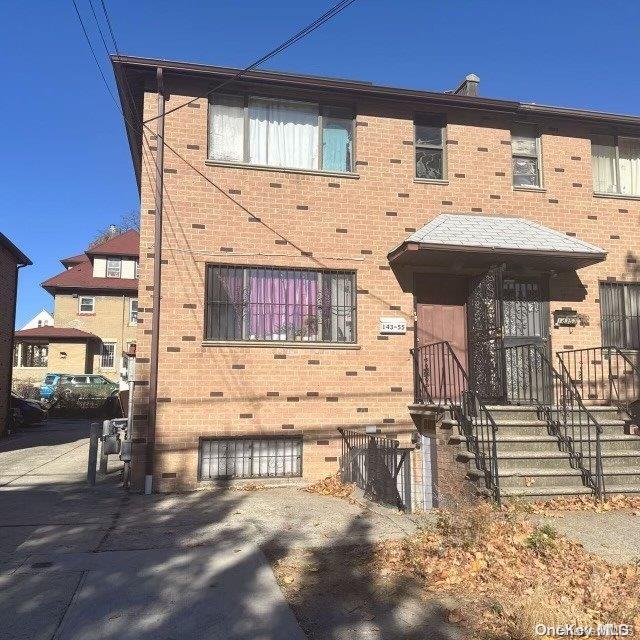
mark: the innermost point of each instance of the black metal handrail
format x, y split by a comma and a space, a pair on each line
440, 379
604, 374
531, 378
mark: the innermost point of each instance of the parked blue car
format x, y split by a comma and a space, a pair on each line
83, 384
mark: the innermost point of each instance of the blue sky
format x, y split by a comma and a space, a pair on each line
66, 165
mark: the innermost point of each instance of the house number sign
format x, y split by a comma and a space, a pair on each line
393, 325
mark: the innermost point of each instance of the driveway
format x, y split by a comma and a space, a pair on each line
96, 563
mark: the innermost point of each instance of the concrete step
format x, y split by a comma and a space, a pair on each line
524, 461
627, 489
542, 493
540, 478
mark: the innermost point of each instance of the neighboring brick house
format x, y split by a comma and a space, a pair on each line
307, 237
95, 314
11, 259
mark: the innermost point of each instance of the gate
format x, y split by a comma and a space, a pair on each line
378, 466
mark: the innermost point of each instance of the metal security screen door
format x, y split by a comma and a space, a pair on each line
525, 314
484, 327
506, 315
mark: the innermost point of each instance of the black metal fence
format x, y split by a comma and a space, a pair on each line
378, 466
605, 375
531, 378
441, 379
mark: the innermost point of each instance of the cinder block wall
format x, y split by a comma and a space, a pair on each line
313, 220
7, 306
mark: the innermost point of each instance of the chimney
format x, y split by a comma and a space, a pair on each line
113, 231
469, 86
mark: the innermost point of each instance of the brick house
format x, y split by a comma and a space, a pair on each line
328, 227
95, 313
11, 259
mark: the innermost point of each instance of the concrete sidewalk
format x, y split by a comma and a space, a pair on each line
82, 563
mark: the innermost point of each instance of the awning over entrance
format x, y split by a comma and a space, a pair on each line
471, 241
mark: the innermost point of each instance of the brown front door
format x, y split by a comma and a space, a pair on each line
441, 311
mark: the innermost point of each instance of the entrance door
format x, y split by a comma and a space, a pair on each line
525, 309
441, 316
441, 311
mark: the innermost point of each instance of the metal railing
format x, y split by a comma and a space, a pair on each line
531, 378
604, 374
440, 379
373, 463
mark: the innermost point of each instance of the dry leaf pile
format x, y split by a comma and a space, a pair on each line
508, 570
617, 502
331, 486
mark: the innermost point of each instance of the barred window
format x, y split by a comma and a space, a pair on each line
242, 457
107, 355
34, 355
270, 304
620, 314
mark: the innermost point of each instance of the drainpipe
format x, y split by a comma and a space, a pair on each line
157, 273
13, 346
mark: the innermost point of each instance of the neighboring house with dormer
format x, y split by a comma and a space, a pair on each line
95, 314
42, 319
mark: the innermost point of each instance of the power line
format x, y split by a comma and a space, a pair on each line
305, 31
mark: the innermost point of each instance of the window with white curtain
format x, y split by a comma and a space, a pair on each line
616, 165
280, 133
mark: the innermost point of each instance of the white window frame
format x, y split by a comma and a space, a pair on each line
537, 156
132, 320
324, 110
104, 354
618, 182
117, 261
136, 266
85, 311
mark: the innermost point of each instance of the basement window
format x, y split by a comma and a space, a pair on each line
228, 458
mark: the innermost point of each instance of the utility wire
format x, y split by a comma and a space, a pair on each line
305, 31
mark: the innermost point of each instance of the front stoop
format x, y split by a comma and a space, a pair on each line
532, 466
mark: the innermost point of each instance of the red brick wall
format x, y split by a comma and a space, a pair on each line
203, 390
7, 307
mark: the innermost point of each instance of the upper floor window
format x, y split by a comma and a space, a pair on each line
616, 165
261, 303
114, 267
429, 142
525, 152
86, 304
136, 267
280, 133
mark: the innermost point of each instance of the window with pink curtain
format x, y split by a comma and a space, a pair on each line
269, 304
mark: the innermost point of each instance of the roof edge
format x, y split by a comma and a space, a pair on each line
21, 258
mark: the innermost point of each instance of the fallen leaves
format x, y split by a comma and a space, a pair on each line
510, 560
614, 502
331, 486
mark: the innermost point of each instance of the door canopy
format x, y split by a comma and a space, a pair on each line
472, 241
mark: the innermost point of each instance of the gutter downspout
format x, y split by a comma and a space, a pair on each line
157, 274
13, 346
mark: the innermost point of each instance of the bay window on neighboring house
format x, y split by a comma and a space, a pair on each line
270, 304
620, 314
616, 165
525, 156
280, 133
31, 355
